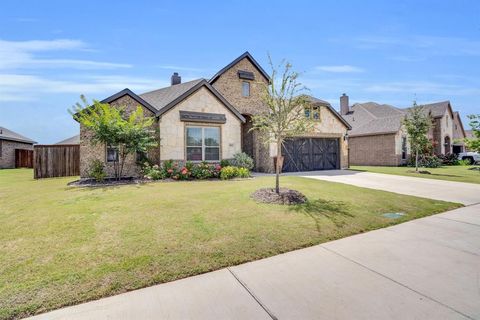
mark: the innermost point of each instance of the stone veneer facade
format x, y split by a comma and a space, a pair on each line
7, 153
172, 130
169, 131
230, 86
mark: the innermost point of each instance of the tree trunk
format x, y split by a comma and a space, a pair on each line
278, 166
416, 161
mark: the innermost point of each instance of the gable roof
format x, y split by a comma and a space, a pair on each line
372, 119
6, 134
436, 109
134, 96
324, 103
72, 140
456, 116
166, 98
237, 60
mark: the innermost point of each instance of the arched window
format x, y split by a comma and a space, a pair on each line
447, 145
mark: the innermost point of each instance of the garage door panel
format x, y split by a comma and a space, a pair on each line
307, 154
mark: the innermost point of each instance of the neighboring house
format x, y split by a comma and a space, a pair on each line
12, 147
468, 135
72, 140
459, 134
378, 136
210, 120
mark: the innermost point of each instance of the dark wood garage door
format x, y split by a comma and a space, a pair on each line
308, 154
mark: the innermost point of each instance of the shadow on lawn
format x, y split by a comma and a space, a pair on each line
335, 211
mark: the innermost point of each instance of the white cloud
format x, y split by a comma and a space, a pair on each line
340, 69
16, 87
16, 55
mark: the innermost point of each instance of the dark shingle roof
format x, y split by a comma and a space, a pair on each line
6, 134
372, 118
72, 140
162, 97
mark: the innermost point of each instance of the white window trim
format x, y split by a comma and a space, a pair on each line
203, 143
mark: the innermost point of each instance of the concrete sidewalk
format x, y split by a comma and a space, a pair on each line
423, 269
465, 193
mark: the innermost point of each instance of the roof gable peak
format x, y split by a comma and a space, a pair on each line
247, 55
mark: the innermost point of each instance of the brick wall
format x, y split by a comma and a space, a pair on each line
377, 150
7, 156
90, 152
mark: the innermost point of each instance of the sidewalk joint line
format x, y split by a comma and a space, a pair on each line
397, 282
449, 219
244, 285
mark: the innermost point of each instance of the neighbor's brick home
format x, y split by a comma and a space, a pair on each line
379, 138
9, 142
221, 109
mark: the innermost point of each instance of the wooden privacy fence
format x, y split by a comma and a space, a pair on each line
56, 160
23, 158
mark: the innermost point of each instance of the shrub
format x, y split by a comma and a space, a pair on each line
202, 171
464, 162
243, 173
224, 163
229, 172
427, 161
449, 159
153, 172
242, 160
97, 170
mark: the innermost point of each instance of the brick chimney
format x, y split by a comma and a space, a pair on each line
175, 79
344, 105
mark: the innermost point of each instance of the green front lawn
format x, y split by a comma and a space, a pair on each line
61, 246
450, 173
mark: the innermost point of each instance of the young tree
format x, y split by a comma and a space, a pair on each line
285, 115
112, 126
417, 124
474, 143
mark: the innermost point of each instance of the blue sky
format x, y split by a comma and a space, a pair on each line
382, 51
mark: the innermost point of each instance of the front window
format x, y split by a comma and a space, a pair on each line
246, 89
404, 148
112, 153
203, 144
312, 113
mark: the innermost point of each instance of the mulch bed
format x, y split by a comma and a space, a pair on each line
107, 182
286, 196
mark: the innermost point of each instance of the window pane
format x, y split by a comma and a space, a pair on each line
307, 112
316, 113
212, 136
212, 153
194, 153
194, 136
245, 88
112, 154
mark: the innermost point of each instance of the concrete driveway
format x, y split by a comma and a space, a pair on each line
465, 193
424, 269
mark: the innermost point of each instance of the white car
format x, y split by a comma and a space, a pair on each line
473, 157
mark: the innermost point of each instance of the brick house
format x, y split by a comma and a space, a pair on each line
11, 146
378, 137
210, 120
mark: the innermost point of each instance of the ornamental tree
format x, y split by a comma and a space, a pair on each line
417, 124
112, 126
285, 115
474, 143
